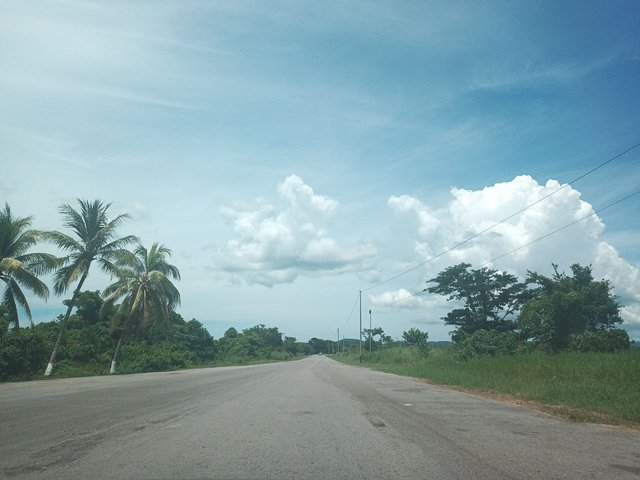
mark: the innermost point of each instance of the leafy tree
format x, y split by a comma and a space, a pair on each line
418, 339
258, 341
564, 305
268, 337
606, 341
192, 336
414, 336
303, 348
145, 287
489, 298
231, 333
88, 307
370, 335
19, 267
290, 345
94, 241
319, 346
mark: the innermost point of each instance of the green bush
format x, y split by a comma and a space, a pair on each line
403, 354
490, 343
138, 357
280, 354
605, 341
67, 368
23, 353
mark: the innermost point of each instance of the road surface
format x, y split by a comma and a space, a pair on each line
313, 418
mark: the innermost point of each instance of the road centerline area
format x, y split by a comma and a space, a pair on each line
313, 418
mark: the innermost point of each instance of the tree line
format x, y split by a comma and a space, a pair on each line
133, 316
497, 313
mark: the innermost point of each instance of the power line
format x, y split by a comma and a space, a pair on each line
595, 212
503, 220
352, 309
400, 300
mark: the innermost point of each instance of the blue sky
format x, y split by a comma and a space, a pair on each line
293, 153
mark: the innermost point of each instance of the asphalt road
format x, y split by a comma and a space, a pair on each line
313, 418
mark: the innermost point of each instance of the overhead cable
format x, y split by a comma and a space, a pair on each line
595, 212
352, 309
457, 245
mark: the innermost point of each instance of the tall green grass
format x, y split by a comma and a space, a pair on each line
601, 387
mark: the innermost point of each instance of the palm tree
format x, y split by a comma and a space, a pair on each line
18, 267
94, 240
144, 285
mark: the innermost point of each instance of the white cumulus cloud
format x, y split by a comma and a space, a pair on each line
400, 298
276, 246
472, 211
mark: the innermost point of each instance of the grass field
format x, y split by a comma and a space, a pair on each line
594, 387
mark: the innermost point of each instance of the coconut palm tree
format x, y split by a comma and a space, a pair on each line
18, 266
145, 287
94, 241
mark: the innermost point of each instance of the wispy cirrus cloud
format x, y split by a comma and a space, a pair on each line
505, 78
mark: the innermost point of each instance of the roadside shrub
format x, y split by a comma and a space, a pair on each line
23, 352
402, 354
489, 343
280, 354
605, 341
68, 368
137, 357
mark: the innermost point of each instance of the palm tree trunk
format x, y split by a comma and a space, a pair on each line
63, 327
115, 357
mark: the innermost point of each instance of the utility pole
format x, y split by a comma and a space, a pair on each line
338, 341
370, 335
360, 326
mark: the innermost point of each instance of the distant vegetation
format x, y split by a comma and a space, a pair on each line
95, 328
132, 319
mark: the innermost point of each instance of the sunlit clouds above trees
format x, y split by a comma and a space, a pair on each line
438, 228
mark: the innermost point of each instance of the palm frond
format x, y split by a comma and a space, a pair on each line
68, 274
17, 297
23, 240
124, 258
30, 282
40, 263
109, 267
63, 241
74, 221
118, 244
119, 220
9, 302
